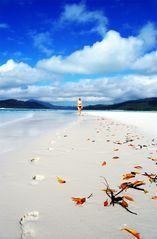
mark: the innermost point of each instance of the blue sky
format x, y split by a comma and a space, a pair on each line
104, 51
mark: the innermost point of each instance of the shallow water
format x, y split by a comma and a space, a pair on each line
18, 127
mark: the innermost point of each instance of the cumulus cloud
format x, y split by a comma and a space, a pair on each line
113, 53
78, 13
102, 90
147, 63
14, 74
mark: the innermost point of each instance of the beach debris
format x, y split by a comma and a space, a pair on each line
153, 159
34, 160
37, 178
154, 197
26, 230
109, 190
116, 149
80, 200
130, 175
65, 135
103, 163
60, 180
138, 167
133, 232
152, 177
115, 157
117, 142
115, 198
135, 185
106, 203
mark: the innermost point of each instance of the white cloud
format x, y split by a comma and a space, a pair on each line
78, 13
147, 63
113, 53
14, 74
102, 90
43, 41
148, 34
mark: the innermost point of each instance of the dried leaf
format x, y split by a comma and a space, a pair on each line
138, 167
124, 203
128, 176
79, 201
115, 157
128, 198
106, 203
60, 180
133, 232
124, 186
154, 197
103, 163
116, 149
138, 183
109, 190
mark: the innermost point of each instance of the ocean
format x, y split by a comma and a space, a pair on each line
18, 127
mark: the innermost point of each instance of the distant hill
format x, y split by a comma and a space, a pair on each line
142, 104
149, 104
31, 104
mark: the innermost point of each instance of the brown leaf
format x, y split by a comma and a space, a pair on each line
79, 201
133, 232
60, 180
115, 157
128, 176
128, 198
138, 167
124, 203
103, 163
154, 197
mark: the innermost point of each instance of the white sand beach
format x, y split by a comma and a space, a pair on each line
36, 203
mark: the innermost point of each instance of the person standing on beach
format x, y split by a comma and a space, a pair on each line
79, 106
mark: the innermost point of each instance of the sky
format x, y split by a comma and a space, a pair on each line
104, 51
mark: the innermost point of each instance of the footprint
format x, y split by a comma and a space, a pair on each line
34, 160
37, 178
50, 148
27, 232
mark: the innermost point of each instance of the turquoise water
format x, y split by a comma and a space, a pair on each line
18, 127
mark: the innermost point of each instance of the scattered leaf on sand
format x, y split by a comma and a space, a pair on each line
60, 180
124, 203
103, 163
109, 190
138, 167
115, 157
154, 197
138, 183
128, 176
128, 198
79, 201
116, 149
106, 203
133, 232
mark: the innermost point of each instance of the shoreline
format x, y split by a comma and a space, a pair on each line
75, 153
